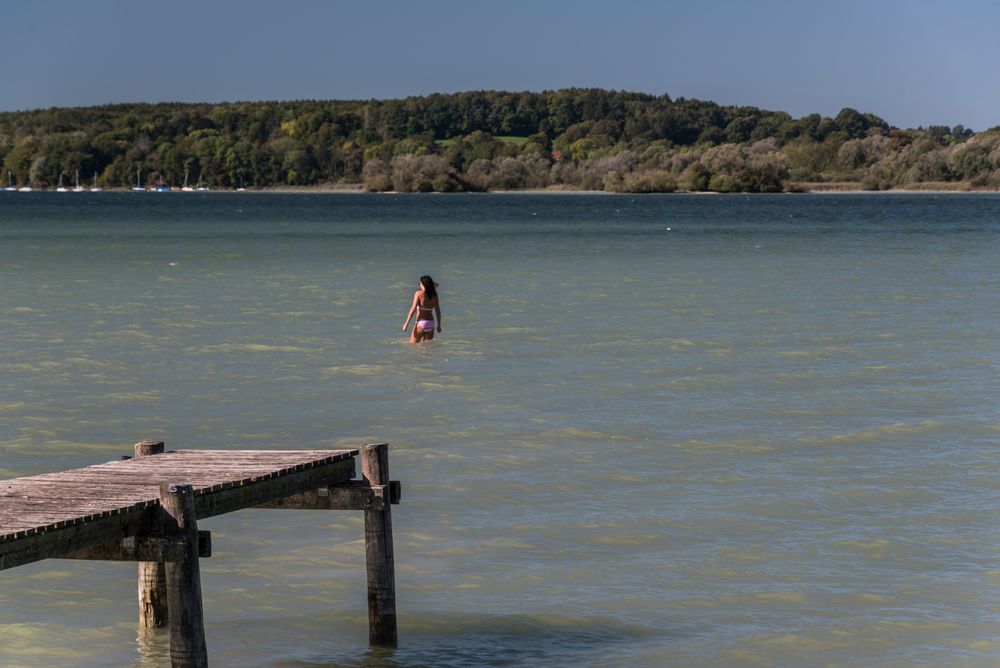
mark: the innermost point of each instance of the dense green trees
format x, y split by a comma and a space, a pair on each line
482, 140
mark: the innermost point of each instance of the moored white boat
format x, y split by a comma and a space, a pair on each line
138, 180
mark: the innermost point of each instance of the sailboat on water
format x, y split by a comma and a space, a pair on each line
78, 188
95, 188
60, 188
200, 187
10, 182
138, 180
186, 188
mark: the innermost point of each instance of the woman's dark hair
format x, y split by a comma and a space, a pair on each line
430, 287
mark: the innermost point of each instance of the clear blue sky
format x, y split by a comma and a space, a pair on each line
915, 62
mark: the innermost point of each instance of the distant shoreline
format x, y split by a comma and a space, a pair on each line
798, 189
353, 189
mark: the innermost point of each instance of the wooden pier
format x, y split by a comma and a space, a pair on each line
146, 508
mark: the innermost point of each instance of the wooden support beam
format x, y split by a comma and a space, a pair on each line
184, 606
144, 549
351, 495
75, 536
210, 502
152, 580
378, 552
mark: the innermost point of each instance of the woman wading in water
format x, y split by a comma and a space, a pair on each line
425, 307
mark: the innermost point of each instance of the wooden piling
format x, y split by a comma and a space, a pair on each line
378, 552
184, 606
152, 574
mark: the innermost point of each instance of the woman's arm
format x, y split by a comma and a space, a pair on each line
413, 308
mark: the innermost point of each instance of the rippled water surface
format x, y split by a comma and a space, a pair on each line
658, 431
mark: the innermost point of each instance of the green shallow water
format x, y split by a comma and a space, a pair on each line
657, 431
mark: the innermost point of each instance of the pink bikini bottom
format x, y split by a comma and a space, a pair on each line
425, 325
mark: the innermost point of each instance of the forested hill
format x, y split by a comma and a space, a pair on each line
575, 138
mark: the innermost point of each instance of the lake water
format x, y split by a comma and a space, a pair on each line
656, 431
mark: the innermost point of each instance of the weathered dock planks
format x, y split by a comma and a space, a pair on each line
45, 515
146, 508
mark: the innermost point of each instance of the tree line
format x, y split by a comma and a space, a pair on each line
590, 139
